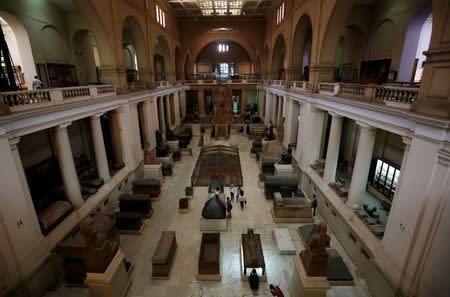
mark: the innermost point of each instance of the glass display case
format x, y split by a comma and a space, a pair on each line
385, 178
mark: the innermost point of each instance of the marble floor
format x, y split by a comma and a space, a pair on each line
139, 248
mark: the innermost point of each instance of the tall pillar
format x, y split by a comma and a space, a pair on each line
67, 165
162, 118
280, 107
274, 109
138, 154
99, 148
116, 138
244, 99
362, 165
176, 101
150, 121
167, 109
316, 118
183, 103
201, 103
334, 142
268, 104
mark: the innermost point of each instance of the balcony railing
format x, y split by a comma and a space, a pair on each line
395, 96
163, 84
281, 83
26, 100
301, 85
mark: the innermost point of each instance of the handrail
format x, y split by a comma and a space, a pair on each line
26, 100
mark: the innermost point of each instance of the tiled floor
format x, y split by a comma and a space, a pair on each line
139, 249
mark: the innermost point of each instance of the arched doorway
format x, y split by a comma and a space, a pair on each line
417, 40
279, 59
19, 47
134, 51
301, 50
161, 59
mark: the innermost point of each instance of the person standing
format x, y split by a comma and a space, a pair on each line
242, 199
238, 192
37, 84
229, 206
232, 191
314, 204
253, 280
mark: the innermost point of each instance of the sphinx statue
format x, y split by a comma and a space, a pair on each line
315, 256
99, 249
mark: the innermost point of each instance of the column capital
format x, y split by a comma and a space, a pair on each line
365, 127
64, 125
407, 141
96, 116
334, 114
13, 142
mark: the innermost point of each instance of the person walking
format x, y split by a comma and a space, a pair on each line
314, 204
37, 84
242, 199
229, 207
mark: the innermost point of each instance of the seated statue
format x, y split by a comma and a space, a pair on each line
315, 256
280, 129
183, 137
99, 250
286, 157
162, 149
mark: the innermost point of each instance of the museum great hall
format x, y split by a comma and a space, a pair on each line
126, 124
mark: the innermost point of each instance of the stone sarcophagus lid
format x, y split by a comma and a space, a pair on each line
139, 203
209, 256
150, 187
164, 255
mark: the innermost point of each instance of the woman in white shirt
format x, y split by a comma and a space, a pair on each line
242, 199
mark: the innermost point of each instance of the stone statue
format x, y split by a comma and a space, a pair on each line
99, 250
280, 129
315, 256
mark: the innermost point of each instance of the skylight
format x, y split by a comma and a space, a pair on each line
220, 7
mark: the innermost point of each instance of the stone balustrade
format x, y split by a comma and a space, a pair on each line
26, 100
281, 83
163, 84
394, 96
301, 85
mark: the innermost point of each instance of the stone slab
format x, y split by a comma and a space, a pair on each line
244, 277
213, 224
283, 241
290, 220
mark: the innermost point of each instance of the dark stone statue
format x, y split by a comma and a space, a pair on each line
315, 256
214, 209
286, 157
99, 250
162, 149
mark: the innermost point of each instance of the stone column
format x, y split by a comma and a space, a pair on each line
274, 109
67, 165
183, 103
280, 108
99, 148
150, 121
315, 127
362, 165
134, 129
244, 100
167, 110
201, 103
267, 114
334, 142
162, 118
116, 138
176, 101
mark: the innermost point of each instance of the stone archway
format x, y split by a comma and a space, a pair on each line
279, 59
301, 50
133, 39
162, 50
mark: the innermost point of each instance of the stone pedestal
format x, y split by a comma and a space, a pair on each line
233, 137
114, 282
166, 160
306, 286
283, 169
213, 224
173, 145
195, 129
153, 171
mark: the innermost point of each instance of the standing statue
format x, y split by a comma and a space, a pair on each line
280, 129
315, 256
